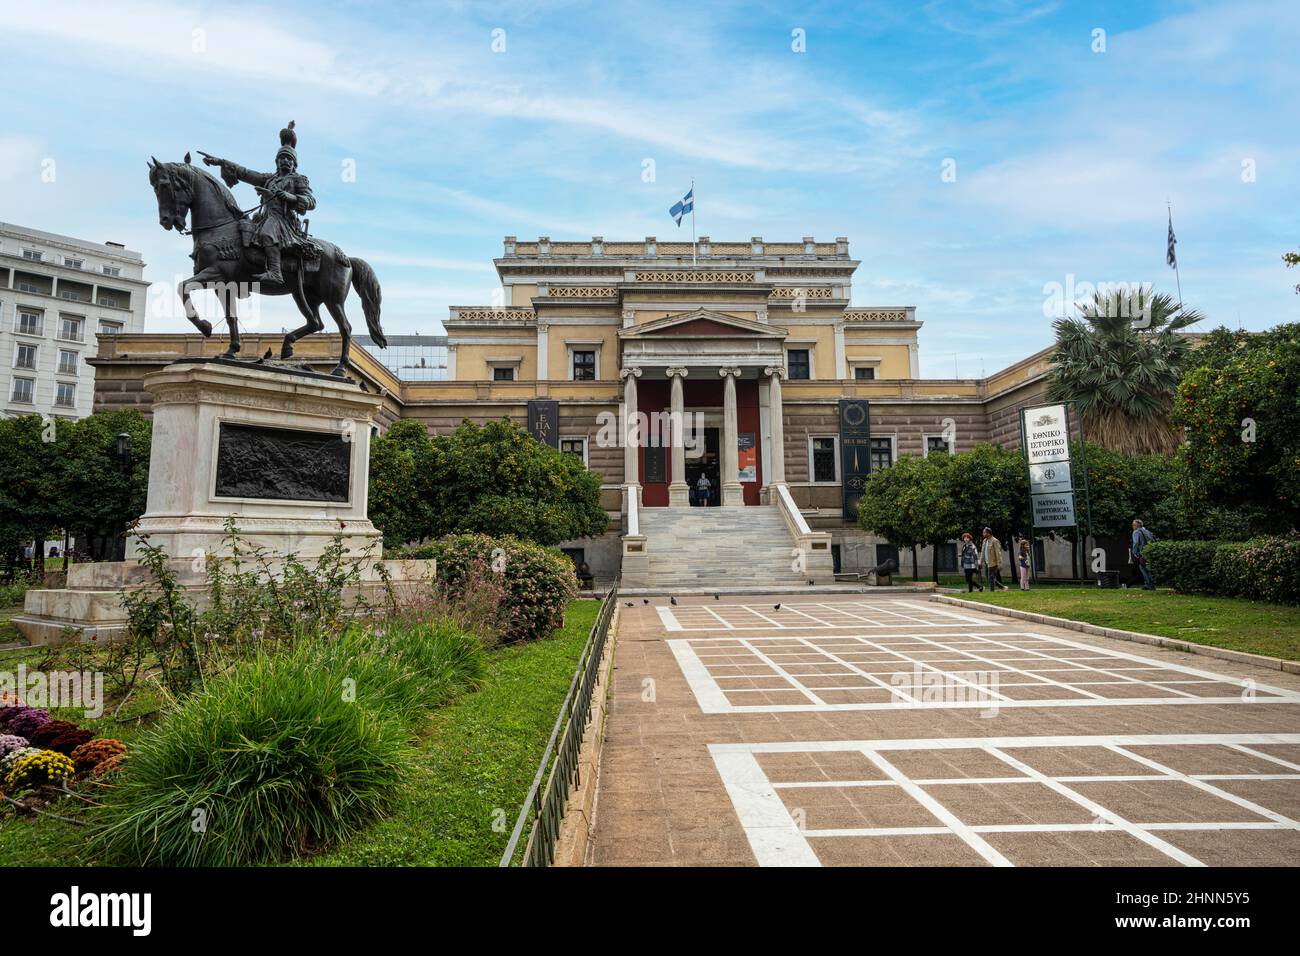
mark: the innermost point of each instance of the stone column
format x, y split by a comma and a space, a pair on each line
631, 434
733, 493
678, 492
775, 412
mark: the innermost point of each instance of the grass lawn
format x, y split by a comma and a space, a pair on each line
1271, 629
475, 762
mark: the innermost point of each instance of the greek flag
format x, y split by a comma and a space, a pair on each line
686, 205
1170, 256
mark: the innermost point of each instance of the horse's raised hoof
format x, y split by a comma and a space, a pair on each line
204, 326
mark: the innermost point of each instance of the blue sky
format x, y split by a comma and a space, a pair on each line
1064, 157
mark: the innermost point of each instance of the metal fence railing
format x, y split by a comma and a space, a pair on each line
545, 805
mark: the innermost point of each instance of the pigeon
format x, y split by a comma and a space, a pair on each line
629, 603
776, 607
672, 601
645, 600
715, 597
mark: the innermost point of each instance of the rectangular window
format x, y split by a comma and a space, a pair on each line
110, 328
112, 271
503, 373
70, 295
30, 287
798, 364
25, 357
24, 389
823, 464
577, 447
584, 365
938, 443
882, 453
67, 362
108, 300
73, 263
33, 255
30, 323
70, 328
864, 373
65, 394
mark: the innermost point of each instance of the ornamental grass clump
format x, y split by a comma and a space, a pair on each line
405, 668
37, 769
93, 754
270, 761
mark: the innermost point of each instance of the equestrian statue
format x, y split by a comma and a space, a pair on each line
270, 253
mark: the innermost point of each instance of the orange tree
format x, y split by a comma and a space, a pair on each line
1241, 412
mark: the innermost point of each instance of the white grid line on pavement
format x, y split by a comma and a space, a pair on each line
777, 838
715, 665
853, 614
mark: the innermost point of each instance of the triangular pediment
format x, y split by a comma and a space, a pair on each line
702, 323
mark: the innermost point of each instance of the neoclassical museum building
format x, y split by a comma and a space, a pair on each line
757, 400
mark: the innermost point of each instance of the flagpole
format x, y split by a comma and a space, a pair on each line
693, 223
1177, 278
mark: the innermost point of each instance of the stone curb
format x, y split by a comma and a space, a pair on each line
579, 816
1172, 643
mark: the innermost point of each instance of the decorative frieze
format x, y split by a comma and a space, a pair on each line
685, 275
488, 314
799, 292
877, 315
581, 292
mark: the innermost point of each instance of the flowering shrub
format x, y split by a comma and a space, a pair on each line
539, 582
70, 740
11, 710
37, 769
109, 765
27, 721
90, 756
8, 761
11, 742
48, 731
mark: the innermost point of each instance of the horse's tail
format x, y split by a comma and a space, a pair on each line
366, 283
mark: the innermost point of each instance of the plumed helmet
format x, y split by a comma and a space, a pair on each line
288, 140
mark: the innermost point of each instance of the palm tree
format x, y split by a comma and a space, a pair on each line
1122, 361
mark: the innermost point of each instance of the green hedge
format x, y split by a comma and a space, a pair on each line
538, 582
1262, 569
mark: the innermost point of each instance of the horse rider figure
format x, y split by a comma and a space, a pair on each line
286, 194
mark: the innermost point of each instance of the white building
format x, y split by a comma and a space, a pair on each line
57, 295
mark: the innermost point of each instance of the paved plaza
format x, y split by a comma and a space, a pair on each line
856, 730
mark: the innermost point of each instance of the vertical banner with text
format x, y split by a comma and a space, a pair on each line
855, 451
544, 421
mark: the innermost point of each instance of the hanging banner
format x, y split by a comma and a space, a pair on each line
544, 421
1046, 434
1053, 511
855, 452
747, 456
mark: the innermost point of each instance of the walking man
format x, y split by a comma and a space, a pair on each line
1141, 538
991, 560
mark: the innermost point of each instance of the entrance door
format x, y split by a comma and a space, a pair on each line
708, 464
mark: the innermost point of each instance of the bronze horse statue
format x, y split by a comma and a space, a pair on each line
225, 263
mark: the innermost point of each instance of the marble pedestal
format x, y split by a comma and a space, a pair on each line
284, 454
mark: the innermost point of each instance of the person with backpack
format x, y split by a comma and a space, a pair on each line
970, 562
1141, 538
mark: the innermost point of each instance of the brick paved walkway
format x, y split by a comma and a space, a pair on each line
889, 730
